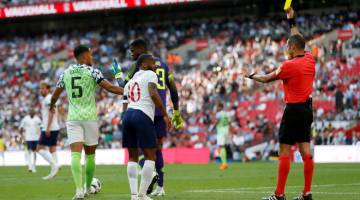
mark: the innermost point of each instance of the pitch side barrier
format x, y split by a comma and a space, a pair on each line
113, 157
322, 154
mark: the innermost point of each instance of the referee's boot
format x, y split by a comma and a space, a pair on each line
274, 197
303, 196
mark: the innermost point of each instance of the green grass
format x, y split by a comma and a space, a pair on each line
189, 182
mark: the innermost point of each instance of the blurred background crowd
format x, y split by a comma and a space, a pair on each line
207, 74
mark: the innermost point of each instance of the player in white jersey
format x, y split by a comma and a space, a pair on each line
49, 132
31, 125
138, 124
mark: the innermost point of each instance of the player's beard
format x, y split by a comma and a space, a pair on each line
133, 57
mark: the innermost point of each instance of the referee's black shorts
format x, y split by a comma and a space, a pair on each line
296, 122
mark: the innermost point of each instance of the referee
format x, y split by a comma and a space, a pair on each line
297, 75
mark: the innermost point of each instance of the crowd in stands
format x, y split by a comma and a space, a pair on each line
255, 108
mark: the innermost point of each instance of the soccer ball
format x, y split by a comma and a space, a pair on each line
96, 185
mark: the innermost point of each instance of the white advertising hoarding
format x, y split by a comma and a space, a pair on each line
337, 154
103, 157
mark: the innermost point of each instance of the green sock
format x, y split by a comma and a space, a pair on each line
76, 169
90, 169
223, 155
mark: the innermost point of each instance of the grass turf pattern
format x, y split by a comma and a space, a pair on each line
242, 181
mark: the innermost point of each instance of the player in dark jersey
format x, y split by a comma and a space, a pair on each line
166, 81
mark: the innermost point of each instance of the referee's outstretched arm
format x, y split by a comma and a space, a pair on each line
295, 48
263, 78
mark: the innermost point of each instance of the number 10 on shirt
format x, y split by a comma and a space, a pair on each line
134, 92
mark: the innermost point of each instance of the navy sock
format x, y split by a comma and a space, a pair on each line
159, 165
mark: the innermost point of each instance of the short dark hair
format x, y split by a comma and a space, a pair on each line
139, 43
80, 49
220, 105
45, 84
142, 58
298, 41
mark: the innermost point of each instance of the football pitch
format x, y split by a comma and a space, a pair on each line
242, 181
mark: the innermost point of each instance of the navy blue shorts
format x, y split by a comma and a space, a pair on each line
31, 145
160, 127
138, 130
48, 141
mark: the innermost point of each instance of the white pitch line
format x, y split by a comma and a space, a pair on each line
264, 188
337, 193
268, 192
94, 197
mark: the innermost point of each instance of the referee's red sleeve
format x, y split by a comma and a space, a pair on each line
285, 71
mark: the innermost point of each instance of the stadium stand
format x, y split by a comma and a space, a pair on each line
202, 82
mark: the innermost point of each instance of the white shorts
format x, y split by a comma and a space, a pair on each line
221, 139
86, 132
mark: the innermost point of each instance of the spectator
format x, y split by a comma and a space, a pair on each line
339, 101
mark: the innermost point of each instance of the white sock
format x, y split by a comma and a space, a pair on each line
132, 169
33, 160
28, 160
47, 156
79, 191
146, 176
2, 158
54, 155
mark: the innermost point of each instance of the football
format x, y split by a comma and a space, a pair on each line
96, 185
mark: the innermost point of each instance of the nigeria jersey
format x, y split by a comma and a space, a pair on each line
223, 122
80, 82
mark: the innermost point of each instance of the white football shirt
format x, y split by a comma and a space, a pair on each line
138, 94
32, 127
45, 105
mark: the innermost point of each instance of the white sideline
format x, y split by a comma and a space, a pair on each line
254, 190
103, 157
270, 192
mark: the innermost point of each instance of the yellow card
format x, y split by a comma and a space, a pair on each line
287, 4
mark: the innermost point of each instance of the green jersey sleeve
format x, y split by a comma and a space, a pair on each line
97, 75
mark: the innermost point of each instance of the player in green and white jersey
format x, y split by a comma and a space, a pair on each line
222, 131
80, 81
